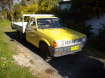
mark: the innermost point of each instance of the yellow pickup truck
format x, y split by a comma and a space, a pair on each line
47, 33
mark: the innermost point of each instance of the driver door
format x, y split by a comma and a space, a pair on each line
31, 33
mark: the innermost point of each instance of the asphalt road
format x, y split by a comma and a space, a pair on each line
78, 66
71, 66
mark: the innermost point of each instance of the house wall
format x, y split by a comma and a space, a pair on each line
16, 1
0, 8
8, 3
3, 5
65, 4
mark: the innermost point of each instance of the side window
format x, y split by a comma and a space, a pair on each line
32, 22
26, 19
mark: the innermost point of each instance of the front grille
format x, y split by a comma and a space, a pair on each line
65, 51
72, 42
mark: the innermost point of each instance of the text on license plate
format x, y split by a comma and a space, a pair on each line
74, 48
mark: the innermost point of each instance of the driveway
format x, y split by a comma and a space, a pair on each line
80, 65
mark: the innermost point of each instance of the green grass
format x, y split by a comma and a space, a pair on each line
8, 69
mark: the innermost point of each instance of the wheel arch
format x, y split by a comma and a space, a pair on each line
45, 41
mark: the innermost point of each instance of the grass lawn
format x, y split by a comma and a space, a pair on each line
8, 69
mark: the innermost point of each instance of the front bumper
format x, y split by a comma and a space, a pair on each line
56, 52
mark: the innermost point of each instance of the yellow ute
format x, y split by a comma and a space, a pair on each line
47, 33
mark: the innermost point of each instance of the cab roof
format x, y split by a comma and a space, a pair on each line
40, 15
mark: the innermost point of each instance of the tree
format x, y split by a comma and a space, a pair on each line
40, 6
47, 5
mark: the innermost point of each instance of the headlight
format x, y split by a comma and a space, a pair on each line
58, 43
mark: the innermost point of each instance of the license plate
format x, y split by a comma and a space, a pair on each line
74, 48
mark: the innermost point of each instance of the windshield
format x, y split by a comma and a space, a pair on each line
48, 23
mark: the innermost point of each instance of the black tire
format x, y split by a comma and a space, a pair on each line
44, 51
20, 36
17, 34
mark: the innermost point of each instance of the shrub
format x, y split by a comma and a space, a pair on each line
3, 14
34, 8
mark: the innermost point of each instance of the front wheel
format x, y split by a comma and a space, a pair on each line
44, 51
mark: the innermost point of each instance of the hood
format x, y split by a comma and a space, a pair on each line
62, 33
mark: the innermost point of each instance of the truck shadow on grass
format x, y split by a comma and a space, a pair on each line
70, 66
12, 35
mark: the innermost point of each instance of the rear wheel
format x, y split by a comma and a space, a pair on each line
44, 50
20, 36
